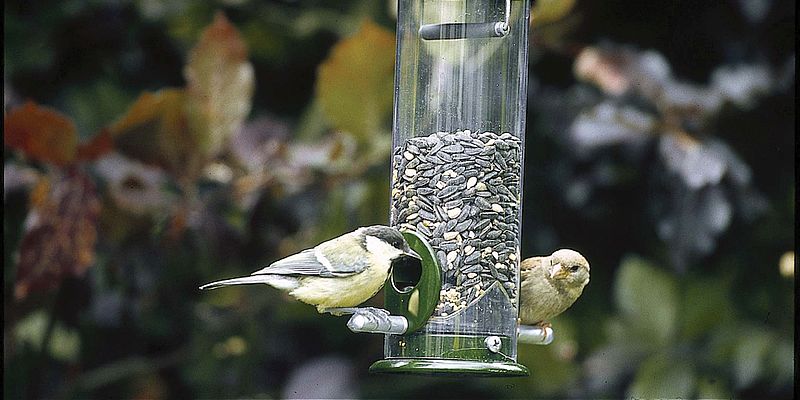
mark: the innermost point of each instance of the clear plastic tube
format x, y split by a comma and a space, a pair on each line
458, 140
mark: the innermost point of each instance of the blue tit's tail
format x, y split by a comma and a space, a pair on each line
278, 281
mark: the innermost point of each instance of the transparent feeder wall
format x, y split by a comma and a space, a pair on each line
459, 123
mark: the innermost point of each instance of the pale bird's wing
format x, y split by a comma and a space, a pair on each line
533, 263
322, 260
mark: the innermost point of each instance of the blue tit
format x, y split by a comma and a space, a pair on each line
340, 273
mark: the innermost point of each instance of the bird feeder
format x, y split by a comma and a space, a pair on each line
458, 133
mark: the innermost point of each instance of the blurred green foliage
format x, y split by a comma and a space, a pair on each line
684, 216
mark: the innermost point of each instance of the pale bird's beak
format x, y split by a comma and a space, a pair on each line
555, 271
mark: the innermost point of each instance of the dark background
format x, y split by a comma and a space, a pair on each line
687, 223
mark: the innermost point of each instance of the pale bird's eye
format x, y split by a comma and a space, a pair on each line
574, 268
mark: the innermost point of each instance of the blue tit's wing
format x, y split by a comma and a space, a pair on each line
329, 259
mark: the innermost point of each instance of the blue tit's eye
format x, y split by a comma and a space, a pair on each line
574, 268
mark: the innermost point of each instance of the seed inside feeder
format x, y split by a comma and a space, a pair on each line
465, 187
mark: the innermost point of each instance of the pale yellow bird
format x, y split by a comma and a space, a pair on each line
549, 285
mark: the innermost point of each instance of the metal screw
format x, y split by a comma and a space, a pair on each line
493, 343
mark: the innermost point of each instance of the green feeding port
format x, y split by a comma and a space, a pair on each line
456, 185
415, 284
414, 293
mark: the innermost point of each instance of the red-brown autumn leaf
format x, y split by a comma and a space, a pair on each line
41, 133
60, 240
220, 83
355, 83
155, 131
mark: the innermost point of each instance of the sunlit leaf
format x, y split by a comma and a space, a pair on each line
220, 85
662, 376
64, 343
786, 265
155, 131
30, 330
61, 235
41, 133
354, 85
648, 298
548, 11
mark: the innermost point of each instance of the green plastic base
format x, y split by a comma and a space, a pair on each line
436, 366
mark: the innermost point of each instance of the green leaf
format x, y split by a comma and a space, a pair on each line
647, 298
552, 367
663, 376
749, 359
706, 305
712, 388
610, 364
781, 362
93, 104
355, 83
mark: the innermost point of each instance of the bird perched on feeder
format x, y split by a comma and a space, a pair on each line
340, 273
549, 285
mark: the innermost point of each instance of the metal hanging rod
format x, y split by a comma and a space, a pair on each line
467, 30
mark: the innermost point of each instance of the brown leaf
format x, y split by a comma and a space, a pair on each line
43, 134
355, 83
607, 70
60, 241
155, 131
220, 85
